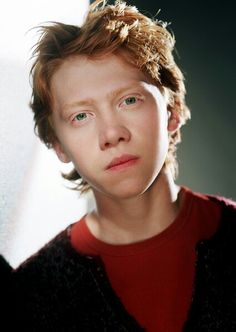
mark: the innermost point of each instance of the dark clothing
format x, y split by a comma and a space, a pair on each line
5, 271
58, 289
5, 293
154, 277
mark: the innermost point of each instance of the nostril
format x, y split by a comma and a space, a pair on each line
112, 136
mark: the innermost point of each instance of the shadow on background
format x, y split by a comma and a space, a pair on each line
206, 53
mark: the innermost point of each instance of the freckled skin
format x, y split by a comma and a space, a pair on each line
103, 109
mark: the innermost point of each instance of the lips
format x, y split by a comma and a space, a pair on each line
125, 159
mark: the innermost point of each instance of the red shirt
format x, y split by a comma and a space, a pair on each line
154, 278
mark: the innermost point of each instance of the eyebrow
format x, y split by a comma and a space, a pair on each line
90, 101
85, 102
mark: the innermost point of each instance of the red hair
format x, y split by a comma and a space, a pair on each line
108, 29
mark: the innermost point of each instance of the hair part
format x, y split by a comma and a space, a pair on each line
108, 29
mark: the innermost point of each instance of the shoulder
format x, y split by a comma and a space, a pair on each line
214, 297
5, 289
223, 241
228, 212
224, 201
58, 289
52, 262
219, 207
227, 205
226, 233
53, 279
5, 268
205, 197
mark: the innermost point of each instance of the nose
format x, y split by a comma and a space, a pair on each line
111, 134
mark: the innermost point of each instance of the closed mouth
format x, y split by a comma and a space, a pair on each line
122, 162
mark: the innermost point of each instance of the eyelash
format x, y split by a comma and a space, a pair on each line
137, 100
74, 119
78, 115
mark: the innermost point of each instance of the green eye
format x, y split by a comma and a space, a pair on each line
80, 116
130, 100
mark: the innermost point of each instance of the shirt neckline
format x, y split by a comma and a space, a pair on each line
101, 247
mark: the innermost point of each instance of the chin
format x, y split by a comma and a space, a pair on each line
128, 191
126, 188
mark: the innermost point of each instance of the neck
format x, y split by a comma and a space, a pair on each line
135, 219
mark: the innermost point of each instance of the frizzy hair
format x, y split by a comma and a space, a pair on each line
107, 29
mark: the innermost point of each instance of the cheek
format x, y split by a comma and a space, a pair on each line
76, 140
82, 150
152, 125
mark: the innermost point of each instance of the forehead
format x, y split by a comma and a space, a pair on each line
83, 80
84, 71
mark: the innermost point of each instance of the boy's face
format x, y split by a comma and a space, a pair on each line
106, 109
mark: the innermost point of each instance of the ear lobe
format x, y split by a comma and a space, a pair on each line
174, 122
62, 156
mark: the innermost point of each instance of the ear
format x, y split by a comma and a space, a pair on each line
61, 154
174, 122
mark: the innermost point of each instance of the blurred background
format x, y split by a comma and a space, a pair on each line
34, 201
205, 33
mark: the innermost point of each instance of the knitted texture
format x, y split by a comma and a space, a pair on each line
213, 306
60, 290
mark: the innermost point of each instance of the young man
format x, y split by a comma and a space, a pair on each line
152, 256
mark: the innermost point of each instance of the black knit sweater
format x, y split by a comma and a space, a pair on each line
58, 289
5, 299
